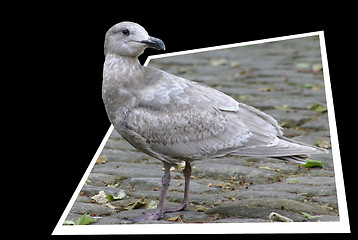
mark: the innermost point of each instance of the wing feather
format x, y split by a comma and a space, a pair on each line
185, 120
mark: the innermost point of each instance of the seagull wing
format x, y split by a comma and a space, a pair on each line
184, 120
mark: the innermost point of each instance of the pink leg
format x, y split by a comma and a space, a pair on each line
165, 184
187, 174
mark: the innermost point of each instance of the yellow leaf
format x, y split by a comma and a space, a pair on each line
174, 219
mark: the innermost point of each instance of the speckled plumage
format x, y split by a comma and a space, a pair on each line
182, 120
174, 119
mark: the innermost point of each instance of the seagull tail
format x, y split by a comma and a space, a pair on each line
300, 151
286, 149
301, 159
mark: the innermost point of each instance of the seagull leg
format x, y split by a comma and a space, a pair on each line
187, 174
165, 184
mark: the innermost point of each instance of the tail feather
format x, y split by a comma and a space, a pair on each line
286, 149
266, 138
301, 159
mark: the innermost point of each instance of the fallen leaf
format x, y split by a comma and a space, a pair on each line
309, 216
200, 208
279, 218
85, 220
183, 70
235, 64
68, 222
307, 68
318, 108
101, 160
303, 67
87, 181
317, 67
310, 163
181, 165
174, 219
218, 61
113, 185
243, 71
267, 89
137, 204
323, 143
293, 181
152, 205
307, 85
110, 206
243, 97
100, 197
223, 185
120, 196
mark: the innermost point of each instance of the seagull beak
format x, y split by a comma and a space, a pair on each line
155, 43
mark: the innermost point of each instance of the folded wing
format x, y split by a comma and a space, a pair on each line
184, 120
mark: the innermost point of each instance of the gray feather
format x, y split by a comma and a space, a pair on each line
174, 119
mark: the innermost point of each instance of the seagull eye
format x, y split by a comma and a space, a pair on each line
125, 31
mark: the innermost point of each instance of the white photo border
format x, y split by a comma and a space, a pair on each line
341, 226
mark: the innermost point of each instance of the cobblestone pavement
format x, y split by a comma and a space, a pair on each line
284, 79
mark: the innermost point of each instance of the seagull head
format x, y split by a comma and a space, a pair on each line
129, 39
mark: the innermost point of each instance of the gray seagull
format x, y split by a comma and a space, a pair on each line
174, 120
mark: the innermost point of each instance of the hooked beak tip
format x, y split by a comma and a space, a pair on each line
155, 43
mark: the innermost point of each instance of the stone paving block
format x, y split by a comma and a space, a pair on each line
262, 207
226, 171
91, 209
234, 189
309, 190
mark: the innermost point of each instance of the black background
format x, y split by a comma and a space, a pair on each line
68, 61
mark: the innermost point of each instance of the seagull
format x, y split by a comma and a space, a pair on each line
177, 120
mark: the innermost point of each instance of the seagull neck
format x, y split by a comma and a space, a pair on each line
122, 71
124, 61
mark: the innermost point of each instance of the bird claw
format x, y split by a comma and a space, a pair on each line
146, 216
175, 209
